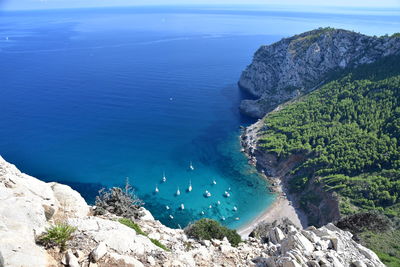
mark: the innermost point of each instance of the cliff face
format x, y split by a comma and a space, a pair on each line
28, 206
295, 65
320, 213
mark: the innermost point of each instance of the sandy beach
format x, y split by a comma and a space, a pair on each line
281, 208
283, 205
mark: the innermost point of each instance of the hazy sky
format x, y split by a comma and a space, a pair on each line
40, 4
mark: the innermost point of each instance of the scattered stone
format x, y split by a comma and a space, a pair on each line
72, 261
98, 252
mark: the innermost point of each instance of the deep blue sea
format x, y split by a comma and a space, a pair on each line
90, 97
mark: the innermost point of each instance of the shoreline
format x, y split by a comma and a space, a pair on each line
280, 208
283, 206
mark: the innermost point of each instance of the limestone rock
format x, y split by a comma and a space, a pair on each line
99, 252
295, 65
71, 202
72, 261
147, 216
123, 260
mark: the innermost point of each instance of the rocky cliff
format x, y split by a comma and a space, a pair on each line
295, 65
28, 206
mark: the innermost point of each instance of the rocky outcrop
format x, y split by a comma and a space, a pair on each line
28, 206
295, 65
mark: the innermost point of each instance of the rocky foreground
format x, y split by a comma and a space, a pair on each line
29, 206
286, 69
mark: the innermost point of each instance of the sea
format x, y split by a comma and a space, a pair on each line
95, 97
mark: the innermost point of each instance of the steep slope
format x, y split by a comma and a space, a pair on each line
28, 206
337, 148
296, 65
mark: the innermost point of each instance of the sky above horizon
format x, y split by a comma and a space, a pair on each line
48, 4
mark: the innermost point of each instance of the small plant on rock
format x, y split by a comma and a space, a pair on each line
132, 225
207, 229
139, 231
121, 202
57, 235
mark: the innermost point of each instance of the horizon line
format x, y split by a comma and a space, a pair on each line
268, 7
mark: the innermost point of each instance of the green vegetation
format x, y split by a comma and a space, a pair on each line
159, 244
57, 235
139, 231
207, 229
350, 128
132, 225
386, 245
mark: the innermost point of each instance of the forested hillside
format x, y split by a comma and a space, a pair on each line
350, 130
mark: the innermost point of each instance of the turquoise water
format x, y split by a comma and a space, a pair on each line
90, 97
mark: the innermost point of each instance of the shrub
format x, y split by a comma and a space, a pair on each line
209, 229
365, 221
58, 235
120, 202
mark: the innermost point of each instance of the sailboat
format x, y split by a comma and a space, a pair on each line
178, 192
182, 206
219, 202
234, 208
214, 182
190, 186
167, 207
156, 190
191, 166
226, 194
164, 178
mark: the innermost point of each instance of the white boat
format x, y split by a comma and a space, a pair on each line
210, 207
237, 218
156, 190
182, 206
191, 166
7, 38
171, 217
190, 187
223, 218
202, 212
219, 202
167, 207
207, 194
226, 194
164, 178
178, 192
234, 208
214, 182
